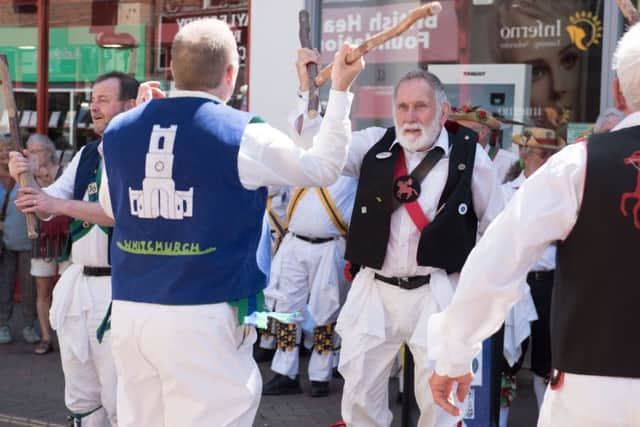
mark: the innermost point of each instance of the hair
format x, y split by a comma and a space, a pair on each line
46, 144
605, 117
544, 153
626, 64
431, 79
201, 52
513, 172
128, 85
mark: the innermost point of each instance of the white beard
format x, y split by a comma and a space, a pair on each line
421, 142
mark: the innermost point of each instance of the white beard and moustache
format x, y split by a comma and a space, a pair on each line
427, 137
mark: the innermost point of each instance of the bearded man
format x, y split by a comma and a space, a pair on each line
424, 191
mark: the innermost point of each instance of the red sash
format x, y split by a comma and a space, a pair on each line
414, 210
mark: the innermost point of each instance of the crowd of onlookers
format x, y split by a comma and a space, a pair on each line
31, 265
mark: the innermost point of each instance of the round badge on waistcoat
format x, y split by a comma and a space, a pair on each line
462, 208
406, 189
383, 155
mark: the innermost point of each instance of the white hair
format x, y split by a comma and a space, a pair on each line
40, 142
626, 64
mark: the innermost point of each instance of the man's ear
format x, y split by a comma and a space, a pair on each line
446, 109
618, 97
230, 75
129, 104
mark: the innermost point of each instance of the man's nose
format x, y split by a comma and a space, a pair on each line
412, 114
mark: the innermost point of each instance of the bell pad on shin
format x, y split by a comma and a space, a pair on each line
323, 338
286, 336
270, 330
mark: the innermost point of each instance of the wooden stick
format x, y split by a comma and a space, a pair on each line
429, 9
312, 67
25, 179
630, 13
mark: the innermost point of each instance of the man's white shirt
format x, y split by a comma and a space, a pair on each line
268, 157
543, 211
92, 249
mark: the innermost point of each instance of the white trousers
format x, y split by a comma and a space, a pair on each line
89, 371
308, 275
592, 401
375, 321
187, 366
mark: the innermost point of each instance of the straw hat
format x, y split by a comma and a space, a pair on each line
475, 114
546, 139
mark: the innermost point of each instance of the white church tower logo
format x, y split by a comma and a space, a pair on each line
158, 197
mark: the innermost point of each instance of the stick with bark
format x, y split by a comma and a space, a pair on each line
630, 13
429, 9
312, 67
25, 179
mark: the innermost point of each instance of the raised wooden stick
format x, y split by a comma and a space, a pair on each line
25, 179
629, 12
429, 9
312, 67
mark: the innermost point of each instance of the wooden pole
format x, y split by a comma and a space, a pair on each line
42, 99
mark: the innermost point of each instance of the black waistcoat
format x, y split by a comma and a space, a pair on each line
594, 311
447, 241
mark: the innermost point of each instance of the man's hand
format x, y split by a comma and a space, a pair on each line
342, 75
305, 56
441, 387
31, 200
20, 163
149, 90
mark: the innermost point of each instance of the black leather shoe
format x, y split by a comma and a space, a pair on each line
263, 354
281, 384
319, 388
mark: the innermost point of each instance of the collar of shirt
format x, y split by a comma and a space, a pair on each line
442, 142
630, 120
176, 93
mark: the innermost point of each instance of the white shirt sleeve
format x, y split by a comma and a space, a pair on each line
104, 196
62, 187
544, 210
269, 157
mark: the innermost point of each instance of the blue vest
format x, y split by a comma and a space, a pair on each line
186, 229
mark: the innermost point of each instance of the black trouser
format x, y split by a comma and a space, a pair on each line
541, 290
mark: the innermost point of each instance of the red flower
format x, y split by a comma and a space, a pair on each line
482, 115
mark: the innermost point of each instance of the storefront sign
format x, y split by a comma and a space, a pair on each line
74, 55
432, 39
237, 17
583, 28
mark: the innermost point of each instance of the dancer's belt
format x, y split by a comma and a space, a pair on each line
314, 239
96, 271
411, 282
540, 276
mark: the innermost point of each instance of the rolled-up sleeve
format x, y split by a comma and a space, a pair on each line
544, 210
269, 157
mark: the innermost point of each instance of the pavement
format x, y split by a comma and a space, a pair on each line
32, 393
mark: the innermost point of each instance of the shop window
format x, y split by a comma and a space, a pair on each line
25, 6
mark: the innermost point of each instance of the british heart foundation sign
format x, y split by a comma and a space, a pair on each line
431, 39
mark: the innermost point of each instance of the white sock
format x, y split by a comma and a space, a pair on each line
539, 387
504, 416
